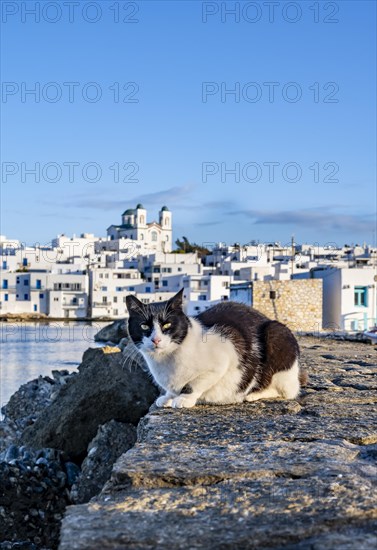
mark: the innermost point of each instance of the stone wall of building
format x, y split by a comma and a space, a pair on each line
297, 303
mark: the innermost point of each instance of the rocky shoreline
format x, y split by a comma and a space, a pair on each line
60, 438
69, 441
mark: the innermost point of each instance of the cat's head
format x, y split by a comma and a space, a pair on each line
157, 329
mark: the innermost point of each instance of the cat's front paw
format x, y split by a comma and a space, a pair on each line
183, 401
164, 401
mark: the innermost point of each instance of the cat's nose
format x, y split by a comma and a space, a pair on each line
156, 340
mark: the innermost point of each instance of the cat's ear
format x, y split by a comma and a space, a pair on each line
176, 301
133, 304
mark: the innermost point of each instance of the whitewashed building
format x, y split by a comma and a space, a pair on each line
60, 295
204, 291
108, 291
349, 297
68, 295
152, 236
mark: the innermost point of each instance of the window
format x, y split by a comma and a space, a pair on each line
5, 283
361, 296
5, 297
104, 299
26, 296
148, 289
142, 236
67, 286
41, 296
164, 283
166, 238
202, 297
118, 289
179, 269
74, 300
154, 236
18, 280
5, 265
56, 299
104, 288
106, 275
115, 312
131, 289
35, 307
26, 282
24, 262
115, 301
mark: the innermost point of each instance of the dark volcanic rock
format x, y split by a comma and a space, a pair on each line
112, 440
34, 492
112, 333
108, 387
29, 401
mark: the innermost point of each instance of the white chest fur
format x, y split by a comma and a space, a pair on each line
204, 359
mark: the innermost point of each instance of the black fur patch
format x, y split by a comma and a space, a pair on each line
264, 347
162, 312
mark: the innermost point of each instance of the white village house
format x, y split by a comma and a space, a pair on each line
349, 297
90, 277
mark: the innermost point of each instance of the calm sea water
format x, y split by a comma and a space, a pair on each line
32, 349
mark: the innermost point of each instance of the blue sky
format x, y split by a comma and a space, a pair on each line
176, 140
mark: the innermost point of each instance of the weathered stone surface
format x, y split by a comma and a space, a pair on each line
111, 440
114, 332
108, 387
273, 474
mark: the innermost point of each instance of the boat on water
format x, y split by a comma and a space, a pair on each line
371, 333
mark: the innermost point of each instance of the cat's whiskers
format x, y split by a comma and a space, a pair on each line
131, 356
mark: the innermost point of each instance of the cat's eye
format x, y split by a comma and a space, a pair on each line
166, 326
144, 327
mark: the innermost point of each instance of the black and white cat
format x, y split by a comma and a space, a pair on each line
227, 354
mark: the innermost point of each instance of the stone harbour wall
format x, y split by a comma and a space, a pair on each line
277, 475
297, 303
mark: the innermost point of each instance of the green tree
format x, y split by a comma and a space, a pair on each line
184, 247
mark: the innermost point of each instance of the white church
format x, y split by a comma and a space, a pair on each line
153, 235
